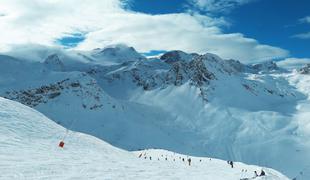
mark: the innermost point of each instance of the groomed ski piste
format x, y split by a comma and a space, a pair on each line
29, 150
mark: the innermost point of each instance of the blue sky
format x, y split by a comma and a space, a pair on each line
270, 22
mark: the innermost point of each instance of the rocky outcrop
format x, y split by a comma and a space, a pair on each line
33, 97
305, 69
177, 56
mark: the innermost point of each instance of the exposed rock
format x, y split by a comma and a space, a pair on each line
176, 56
305, 69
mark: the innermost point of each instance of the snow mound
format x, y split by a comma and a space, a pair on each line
28, 150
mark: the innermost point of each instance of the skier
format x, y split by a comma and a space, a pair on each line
189, 161
61, 144
140, 155
232, 164
262, 173
255, 174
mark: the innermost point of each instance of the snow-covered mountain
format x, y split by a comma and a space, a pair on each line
116, 54
188, 103
29, 150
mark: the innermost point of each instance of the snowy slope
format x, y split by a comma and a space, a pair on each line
193, 104
28, 150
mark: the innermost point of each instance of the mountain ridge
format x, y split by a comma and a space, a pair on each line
189, 103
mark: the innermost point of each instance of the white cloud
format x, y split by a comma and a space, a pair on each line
305, 19
106, 22
302, 35
293, 63
218, 6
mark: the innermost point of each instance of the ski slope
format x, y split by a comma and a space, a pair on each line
28, 150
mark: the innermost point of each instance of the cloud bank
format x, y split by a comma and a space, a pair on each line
293, 63
107, 22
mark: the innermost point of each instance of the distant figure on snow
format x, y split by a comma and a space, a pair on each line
232, 164
183, 159
61, 144
262, 173
255, 174
140, 155
189, 161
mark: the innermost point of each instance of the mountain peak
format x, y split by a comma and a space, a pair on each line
266, 66
53, 62
176, 55
118, 53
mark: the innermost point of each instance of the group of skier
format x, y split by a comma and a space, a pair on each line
231, 163
189, 161
262, 173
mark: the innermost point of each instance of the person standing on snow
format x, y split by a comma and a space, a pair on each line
255, 174
232, 164
262, 173
189, 161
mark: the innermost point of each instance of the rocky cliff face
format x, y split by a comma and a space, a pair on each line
82, 87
